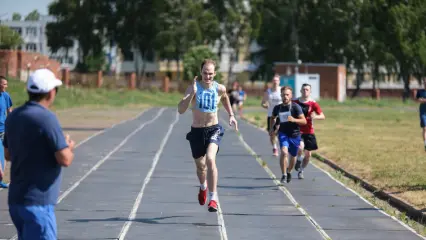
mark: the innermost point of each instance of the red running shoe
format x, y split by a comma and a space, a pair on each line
202, 196
212, 206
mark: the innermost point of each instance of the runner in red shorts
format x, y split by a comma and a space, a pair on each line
312, 111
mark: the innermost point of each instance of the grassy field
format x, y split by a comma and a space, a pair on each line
77, 97
378, 141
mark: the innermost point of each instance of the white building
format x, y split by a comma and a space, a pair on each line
34, 36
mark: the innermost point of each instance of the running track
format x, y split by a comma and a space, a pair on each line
137, 180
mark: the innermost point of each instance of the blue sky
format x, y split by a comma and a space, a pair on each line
8, 7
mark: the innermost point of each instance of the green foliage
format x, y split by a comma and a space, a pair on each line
16, 17
33, 16
194, 57
9, 39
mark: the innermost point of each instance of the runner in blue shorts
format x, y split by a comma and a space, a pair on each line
421, 98
289, 136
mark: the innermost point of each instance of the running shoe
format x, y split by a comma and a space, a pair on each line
275, 152
202, 196
212, 206
283, 179
288, 177
297, 166
300, 175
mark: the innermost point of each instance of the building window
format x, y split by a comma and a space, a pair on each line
17, 29
31, 47
31, 31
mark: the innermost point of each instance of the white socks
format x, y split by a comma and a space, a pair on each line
274, 146
203, 186
213, 196
300, 158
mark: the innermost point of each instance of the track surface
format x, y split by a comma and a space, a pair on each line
137, 180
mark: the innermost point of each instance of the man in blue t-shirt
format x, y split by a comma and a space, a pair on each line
291, 116
5, 109
37, 149
421, 98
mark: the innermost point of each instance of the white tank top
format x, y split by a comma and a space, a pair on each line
274, 98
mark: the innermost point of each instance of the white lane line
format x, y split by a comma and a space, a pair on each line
104, 130
354, 192
69, 190
221, 221
282, 188
138, 200
114, 125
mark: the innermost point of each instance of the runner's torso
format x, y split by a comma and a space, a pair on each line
308, 107
274, 98
204, 106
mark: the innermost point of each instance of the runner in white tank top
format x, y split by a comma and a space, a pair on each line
271, 98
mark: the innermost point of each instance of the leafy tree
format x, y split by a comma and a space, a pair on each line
9, 39
16, 17
33, 16
194, 57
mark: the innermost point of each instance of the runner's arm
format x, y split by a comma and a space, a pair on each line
186, 100
319, 113
265, 99
301, 120
273, 119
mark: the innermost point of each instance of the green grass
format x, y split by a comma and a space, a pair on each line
357, 102
381, 145
76, 97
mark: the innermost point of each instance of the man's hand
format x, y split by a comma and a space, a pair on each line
233, 121
290, 119
194, 86
70, 142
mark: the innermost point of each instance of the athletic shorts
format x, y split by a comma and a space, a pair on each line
423, 120
310, 142
34, 222
292, 143
200, 138
277, 122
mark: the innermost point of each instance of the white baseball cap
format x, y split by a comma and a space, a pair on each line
42, 81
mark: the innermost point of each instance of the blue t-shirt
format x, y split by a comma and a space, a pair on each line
33, 135
5, 104
422, 94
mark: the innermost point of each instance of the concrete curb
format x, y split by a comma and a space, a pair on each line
412, 212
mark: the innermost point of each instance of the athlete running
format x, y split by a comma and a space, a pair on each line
271, 98
421, 98
312, 111
206, 132
291, 116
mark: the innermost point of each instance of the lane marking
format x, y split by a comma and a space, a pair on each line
221, 221
354, 192
69, 190
109, 128
105, 130
324, 235
138, 200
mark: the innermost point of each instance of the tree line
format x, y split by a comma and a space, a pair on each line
378, 34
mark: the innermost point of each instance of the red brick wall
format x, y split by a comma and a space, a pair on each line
19, 63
